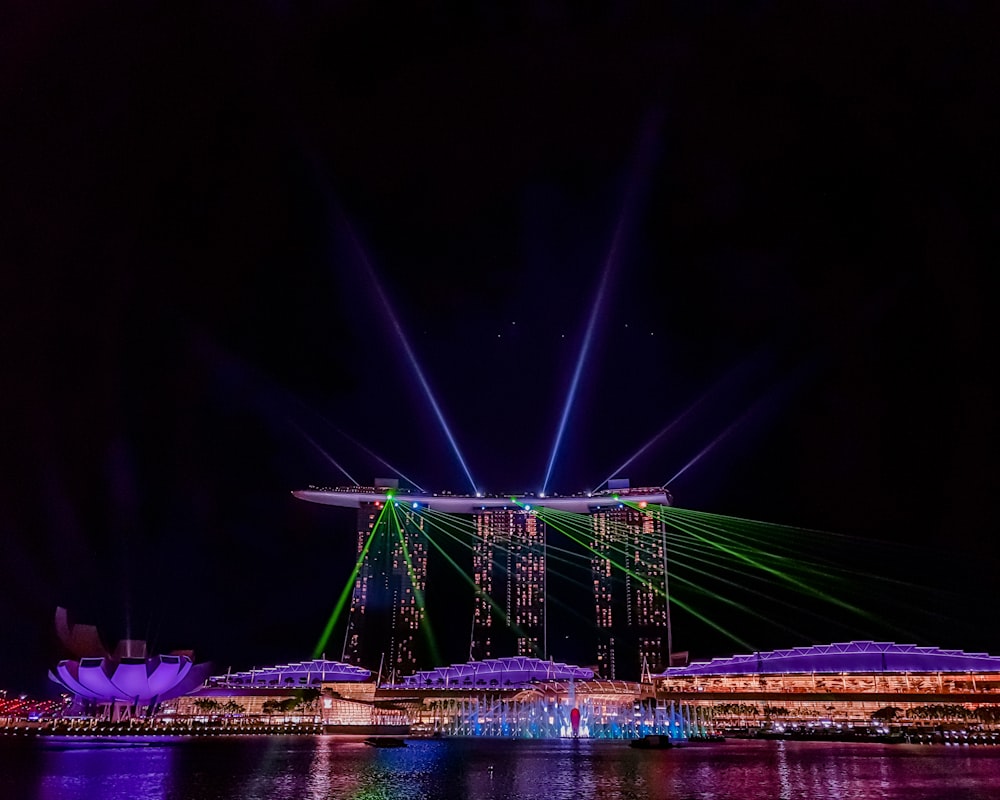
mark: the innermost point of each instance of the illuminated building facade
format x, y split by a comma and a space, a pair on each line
529, 698
340, 697
387, 607
631, 605
508, 567
841, 684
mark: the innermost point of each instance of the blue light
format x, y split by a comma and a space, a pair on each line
325, 454
416, 505
636, 173
412, 358
711, 445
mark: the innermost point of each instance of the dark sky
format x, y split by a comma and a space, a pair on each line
791, 207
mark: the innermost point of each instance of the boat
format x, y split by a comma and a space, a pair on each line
652, 742
385, 741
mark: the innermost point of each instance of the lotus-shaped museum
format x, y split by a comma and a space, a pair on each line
126, 677
138, 681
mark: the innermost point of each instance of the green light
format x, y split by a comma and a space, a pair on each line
476, 589
569, 518
346, 593
417, 591
555, 553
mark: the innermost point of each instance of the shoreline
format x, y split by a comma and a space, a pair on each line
126, 730
106, 730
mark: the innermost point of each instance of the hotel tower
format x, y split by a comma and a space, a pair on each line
386, 612
628, 565
508, 567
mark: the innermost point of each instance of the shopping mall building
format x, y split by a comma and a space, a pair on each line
854, 684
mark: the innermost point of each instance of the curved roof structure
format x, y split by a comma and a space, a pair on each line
132, 680
844, 657
515, 672
470, 504
300, 673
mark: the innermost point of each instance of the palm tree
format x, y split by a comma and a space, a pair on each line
231, 708
207, 706
270, 708
886, 713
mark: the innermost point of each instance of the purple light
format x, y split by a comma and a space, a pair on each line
767, 398
663, 432
504, 672
325, 454
582, 357
859, 656
720, 386
639, 168
411, 356
381, 460
707, 448
300, 672
130, 680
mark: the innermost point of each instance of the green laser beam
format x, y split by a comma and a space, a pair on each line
478, 591
348, 589
417, 591
692, 529
550, 548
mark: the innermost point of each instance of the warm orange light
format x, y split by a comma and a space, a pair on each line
642, 504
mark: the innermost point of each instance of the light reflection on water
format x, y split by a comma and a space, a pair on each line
324, 768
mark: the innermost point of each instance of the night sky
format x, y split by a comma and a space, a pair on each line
789, 207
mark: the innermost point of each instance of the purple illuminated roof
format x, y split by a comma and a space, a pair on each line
494, 672
844, 657
301, 673
133, 680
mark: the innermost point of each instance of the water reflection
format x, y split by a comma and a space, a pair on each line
104, 769
324, 768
